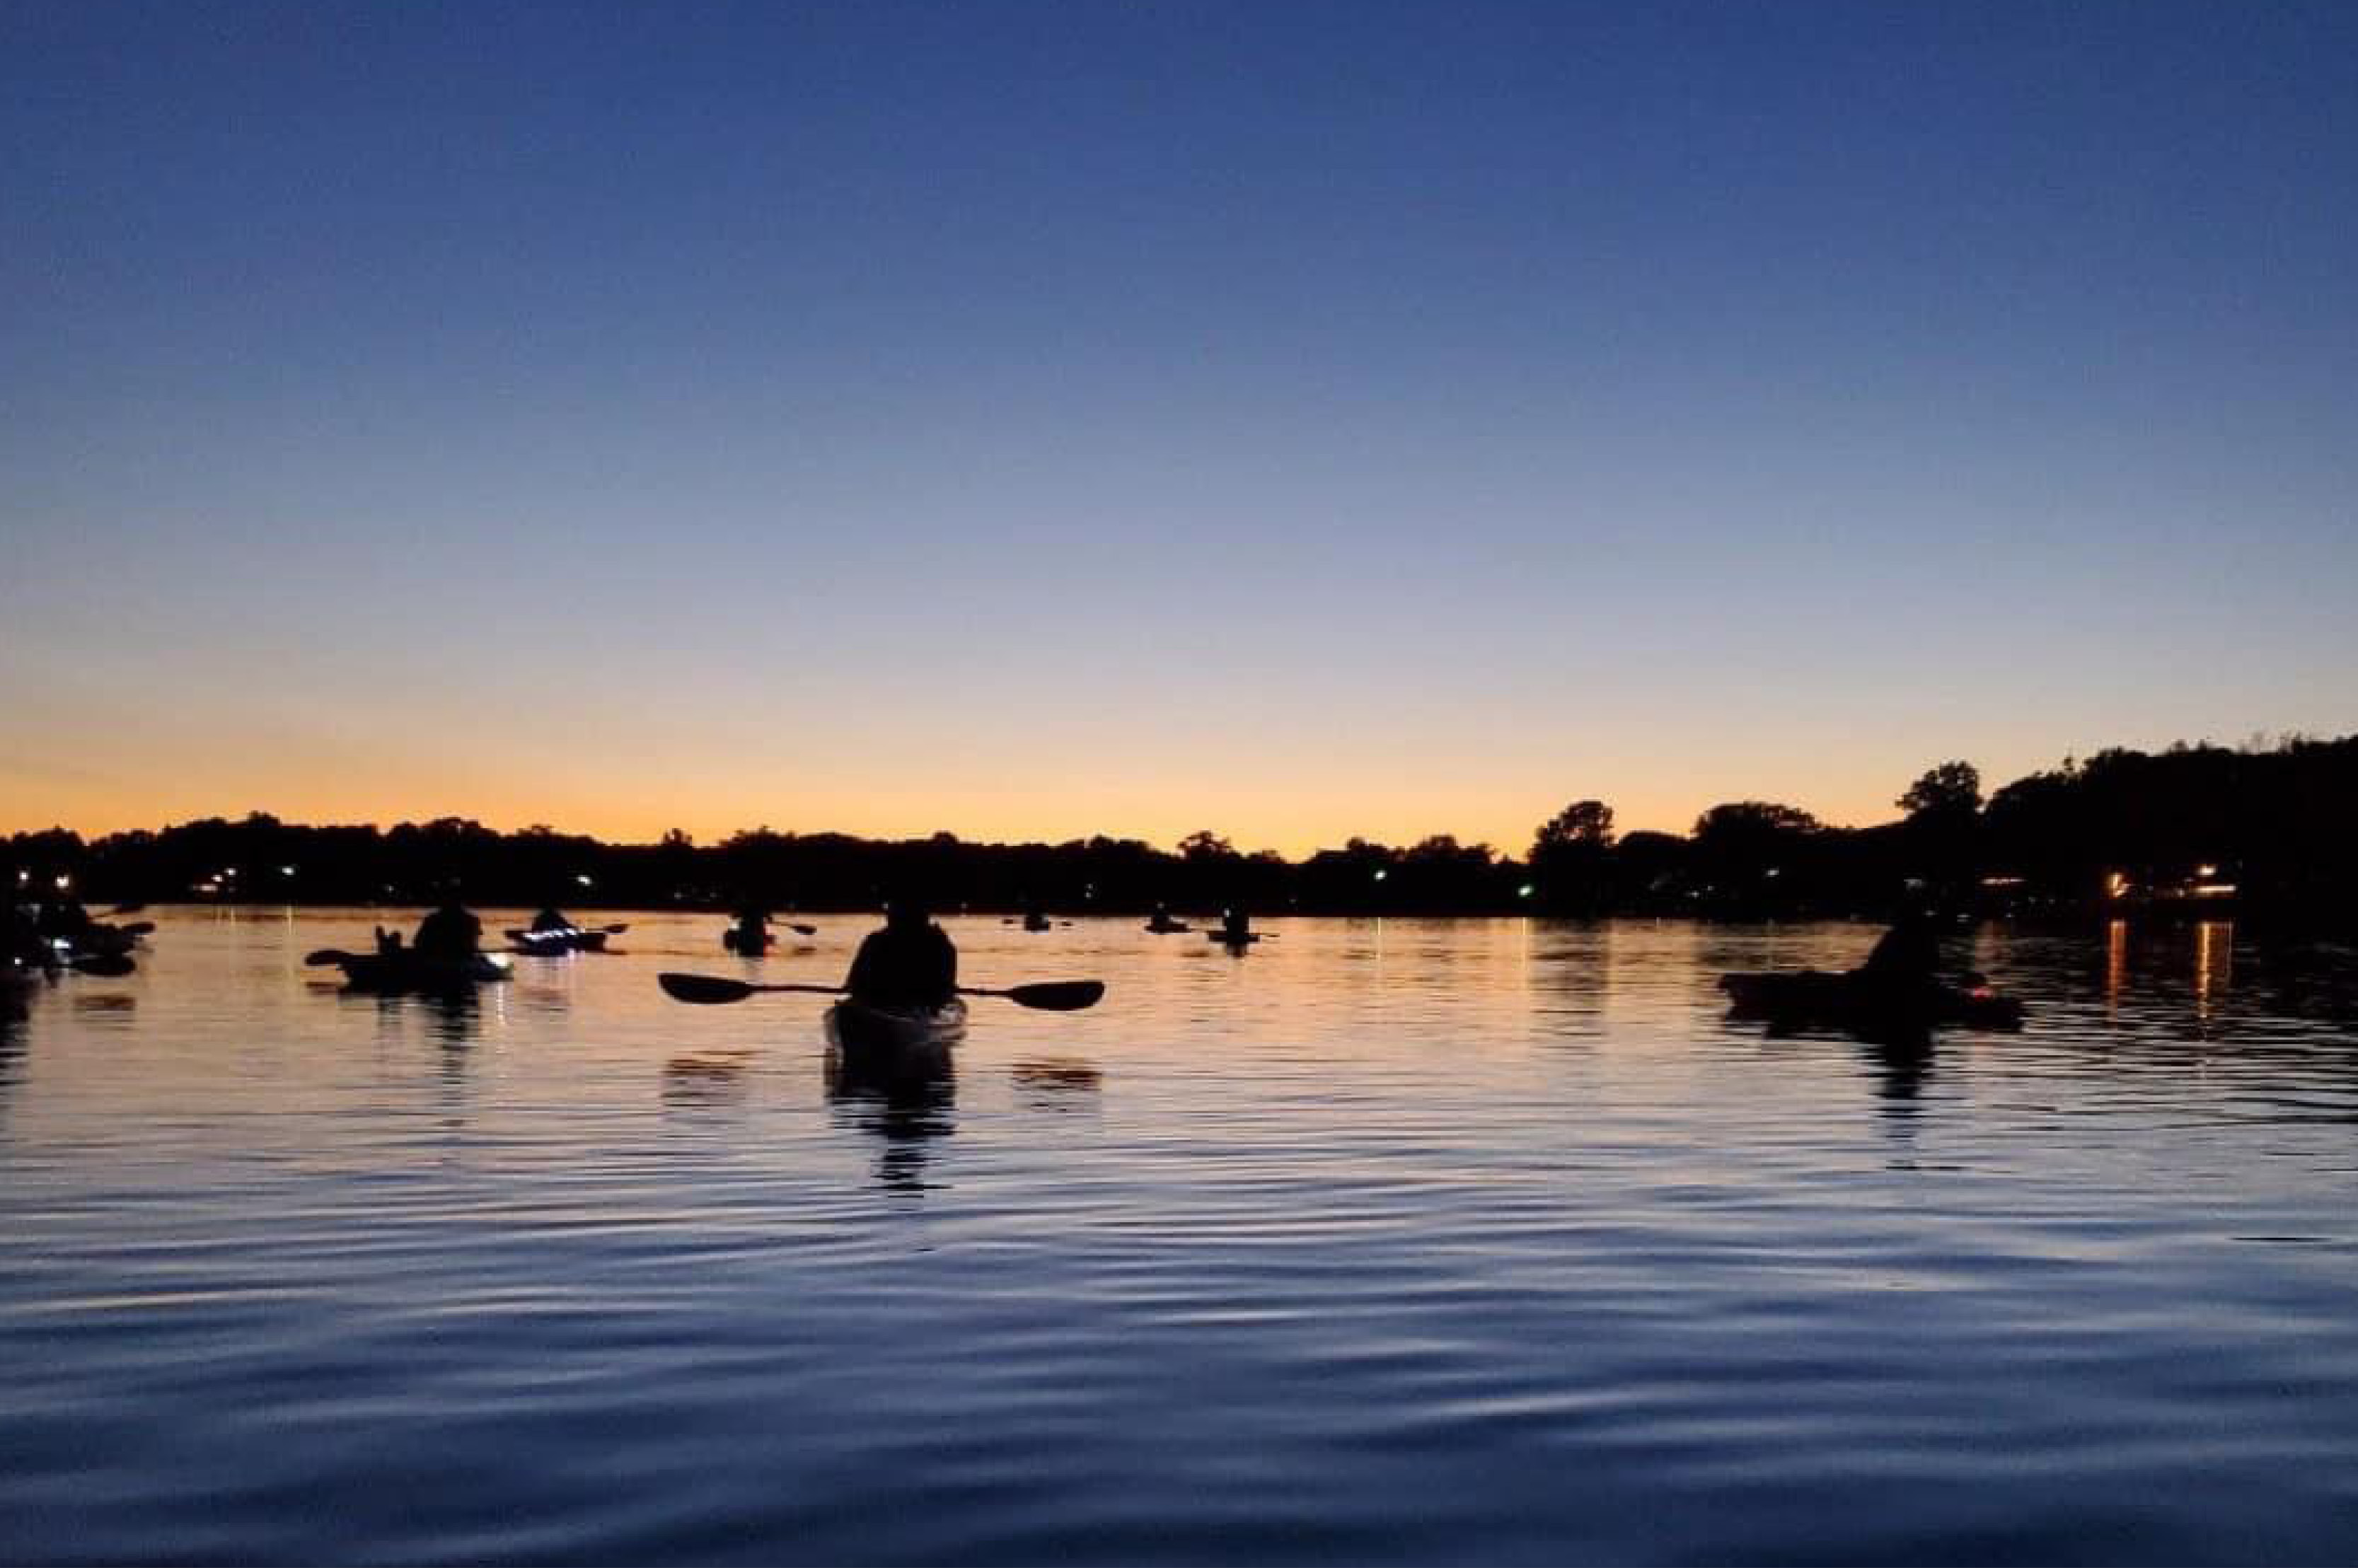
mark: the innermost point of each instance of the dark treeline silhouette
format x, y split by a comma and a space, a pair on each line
2265, 830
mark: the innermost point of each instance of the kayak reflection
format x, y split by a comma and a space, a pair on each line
907, 1098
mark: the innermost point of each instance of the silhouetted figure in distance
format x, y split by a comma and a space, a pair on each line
1907, 956
751, 934
552, 919
1236, 926
447, 935
64, 917
910, 963
24, 948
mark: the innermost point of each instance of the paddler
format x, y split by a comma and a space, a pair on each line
1906, 958
750, 935
449, 934
910, 963
25, 948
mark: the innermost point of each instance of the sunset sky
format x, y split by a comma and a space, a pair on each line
1037, 421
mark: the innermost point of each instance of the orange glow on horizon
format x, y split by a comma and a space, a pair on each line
1293, 822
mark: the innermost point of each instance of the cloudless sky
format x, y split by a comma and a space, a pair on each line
1039, 420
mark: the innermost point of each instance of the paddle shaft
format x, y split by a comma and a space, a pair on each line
1052, 996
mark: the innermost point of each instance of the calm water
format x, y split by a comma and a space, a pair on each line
1468, 1240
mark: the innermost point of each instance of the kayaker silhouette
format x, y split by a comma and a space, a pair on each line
24, 947
448, 933
552, 919
1236, 927
1909, 955
910, 963
751, 934
65, 917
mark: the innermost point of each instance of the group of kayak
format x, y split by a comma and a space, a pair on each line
902, 988
903, 985
58, 937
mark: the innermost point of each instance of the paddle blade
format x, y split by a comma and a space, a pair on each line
802, 930
703, 989
324, 957
1056, 996
106, 965
615, 930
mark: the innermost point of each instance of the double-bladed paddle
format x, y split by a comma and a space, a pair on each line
1049, 996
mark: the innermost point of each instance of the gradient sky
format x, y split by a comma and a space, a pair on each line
1033, 421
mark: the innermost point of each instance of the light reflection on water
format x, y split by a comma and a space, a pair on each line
1481, 1241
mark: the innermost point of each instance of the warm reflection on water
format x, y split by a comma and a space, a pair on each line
1484, 1240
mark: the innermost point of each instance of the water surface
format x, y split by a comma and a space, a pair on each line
1401, 1241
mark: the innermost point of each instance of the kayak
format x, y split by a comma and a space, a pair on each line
862, 1026
101, 941
1807, 999
1168, 928
1037, 923
555, 943
394, 973
733, 940
1234, 938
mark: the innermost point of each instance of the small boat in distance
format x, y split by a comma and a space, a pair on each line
556, 941
1859, 1004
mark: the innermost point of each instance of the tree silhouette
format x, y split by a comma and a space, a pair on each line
1205, 845
1571, 858
1583, 822
1950, 790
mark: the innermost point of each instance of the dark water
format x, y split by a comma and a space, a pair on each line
1473, 1241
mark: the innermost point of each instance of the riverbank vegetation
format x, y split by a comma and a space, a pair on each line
2263, 831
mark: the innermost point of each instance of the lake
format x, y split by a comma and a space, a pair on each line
1388, 1241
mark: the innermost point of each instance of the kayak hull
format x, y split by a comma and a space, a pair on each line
735, 941
556, 943
860, 1027
1814, 998
395, 974
101, 941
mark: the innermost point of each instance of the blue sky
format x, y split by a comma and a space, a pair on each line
1042, 420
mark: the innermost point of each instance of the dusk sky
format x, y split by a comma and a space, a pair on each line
1039, 421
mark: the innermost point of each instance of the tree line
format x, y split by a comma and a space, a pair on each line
2264, 829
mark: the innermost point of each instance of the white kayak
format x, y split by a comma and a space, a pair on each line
861, 1026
